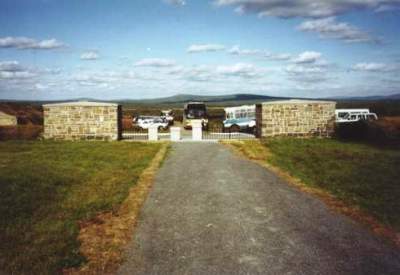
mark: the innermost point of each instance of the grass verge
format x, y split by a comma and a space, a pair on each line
50, 191
358, 180
104, 237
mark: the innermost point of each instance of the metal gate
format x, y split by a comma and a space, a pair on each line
135, 133
217, 132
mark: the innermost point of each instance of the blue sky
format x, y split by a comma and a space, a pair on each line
59, 49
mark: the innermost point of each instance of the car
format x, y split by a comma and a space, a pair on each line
140, 119
158, 121
168, 116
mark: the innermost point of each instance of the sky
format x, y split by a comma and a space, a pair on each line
127, 49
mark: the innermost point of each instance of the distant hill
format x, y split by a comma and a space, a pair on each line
182, 98
217, 100
369, 98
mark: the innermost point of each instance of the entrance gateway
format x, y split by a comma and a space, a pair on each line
198, 124
100, 120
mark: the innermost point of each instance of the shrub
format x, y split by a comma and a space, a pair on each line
20, 132
382, 132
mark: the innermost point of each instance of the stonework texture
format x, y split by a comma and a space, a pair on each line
300, 118
73, 122
7, 120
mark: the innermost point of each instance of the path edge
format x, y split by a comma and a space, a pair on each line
351, 211
104, 238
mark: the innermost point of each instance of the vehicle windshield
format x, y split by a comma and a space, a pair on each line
196, 111
241, 114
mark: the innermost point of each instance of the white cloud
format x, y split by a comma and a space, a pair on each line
155, 62
11, 66
301, 69
239, 69
196, 48
29, 43
305, 8
330, 28
236, 50
279, 57
375, 67
384, 8
90, 55
307, 57
10, 70
16, 75
176, 2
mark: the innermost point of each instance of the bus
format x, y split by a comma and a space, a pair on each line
194, 111
240, 118
353, 115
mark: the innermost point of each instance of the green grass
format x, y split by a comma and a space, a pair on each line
365, 176
46, 188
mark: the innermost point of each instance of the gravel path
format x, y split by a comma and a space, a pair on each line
212, 212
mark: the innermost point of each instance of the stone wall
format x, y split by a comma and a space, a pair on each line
7, 120
295, 118
82, 120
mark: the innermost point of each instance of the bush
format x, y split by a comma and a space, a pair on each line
379, 132
127, 122
20, 132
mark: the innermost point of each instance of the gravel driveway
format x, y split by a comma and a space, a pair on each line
212, 212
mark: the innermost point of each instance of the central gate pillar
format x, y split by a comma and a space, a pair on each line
153, 133
175, 133
197, 128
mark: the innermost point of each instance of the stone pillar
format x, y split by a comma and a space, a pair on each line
197, 128
153, 132
175, 133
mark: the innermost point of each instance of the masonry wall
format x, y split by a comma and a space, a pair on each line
82, 122
7, 120
303, 119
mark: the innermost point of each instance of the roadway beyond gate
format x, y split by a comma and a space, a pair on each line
211, 212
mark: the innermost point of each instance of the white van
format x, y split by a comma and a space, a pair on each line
353, 115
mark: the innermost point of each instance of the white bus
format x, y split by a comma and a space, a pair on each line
240, 118
353, 115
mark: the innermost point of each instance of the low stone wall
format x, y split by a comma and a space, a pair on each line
7, 120
82, 120
295, 118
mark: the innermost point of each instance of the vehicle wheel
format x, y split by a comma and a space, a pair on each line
234, 128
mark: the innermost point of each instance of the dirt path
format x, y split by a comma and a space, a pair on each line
211, 212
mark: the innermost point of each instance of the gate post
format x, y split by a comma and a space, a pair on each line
153, 132
197, 128
175, 133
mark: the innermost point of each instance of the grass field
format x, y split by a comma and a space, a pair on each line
46, 188
359, 174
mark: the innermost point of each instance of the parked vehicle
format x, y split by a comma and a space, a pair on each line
168, 116
240, 118
145, 123
353, 115
194, 111
140, 119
